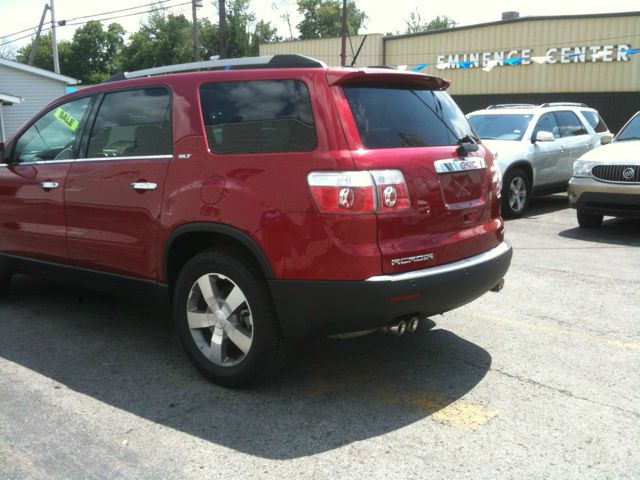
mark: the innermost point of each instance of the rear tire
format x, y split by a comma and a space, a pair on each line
226, 321
589, 220
516, 193
5, 278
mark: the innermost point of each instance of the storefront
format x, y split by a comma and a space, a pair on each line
592, 59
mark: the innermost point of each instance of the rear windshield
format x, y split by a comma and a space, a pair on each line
399, 117
500, 126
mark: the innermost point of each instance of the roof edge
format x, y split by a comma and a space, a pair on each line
38, 71
513, 20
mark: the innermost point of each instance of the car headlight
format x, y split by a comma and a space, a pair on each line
582, 168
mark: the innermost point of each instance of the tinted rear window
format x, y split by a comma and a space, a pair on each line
595, 121
261, 116
398, 117
569, 124
132, 123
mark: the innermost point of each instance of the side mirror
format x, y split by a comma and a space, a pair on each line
543, 136
606, 138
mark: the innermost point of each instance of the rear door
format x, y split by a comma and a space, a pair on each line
549, 158
32, 219
575, 137
454, 208
113, 196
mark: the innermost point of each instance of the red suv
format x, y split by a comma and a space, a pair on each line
264, 199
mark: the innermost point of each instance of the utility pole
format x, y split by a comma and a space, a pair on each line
222, 29
54, 40
194, 29
343, 52
36, 42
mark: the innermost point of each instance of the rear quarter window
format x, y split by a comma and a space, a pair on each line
400, 116
595, 121
258, 116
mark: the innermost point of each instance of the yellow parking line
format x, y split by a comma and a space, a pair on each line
459, 413
559, 331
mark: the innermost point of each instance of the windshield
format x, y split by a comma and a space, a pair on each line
400, 116
631, 131
500, 126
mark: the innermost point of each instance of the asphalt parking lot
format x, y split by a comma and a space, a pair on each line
541, 380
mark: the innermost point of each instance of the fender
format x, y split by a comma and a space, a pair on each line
220, 229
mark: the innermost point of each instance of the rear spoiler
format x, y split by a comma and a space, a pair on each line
388, 76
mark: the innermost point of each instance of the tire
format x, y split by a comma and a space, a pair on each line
589, 220
516, 193
235, 340
5, 278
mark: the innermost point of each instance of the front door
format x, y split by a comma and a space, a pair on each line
113, 196
32, 219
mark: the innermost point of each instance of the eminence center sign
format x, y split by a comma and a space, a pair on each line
586, 54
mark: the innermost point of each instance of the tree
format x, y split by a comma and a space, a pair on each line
323, 18
263, 32
415, 24
162, 40
44, 54
94, 52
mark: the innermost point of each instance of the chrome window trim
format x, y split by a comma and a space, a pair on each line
94, 159
484, 257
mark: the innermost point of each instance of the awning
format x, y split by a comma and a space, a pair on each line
7, 99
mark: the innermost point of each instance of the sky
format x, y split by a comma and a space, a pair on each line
384, 16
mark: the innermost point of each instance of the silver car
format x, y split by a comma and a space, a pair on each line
535, 146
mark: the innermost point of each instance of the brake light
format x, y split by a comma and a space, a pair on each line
359, 192
391, 190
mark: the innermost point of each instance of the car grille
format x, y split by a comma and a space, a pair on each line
617, 173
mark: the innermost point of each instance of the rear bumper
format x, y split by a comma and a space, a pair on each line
330, 307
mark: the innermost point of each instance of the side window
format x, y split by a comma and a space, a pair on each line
547, 123
259, 116
52, 136
569, 124
595, 121
132, 123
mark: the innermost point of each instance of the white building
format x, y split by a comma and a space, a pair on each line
24, 90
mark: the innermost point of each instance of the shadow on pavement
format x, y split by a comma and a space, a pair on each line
337, 391
547, 204
615, 231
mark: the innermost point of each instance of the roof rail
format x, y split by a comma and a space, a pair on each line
511, 105
564, 104
270, 61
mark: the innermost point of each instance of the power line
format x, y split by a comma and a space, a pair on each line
99, 20
63, 22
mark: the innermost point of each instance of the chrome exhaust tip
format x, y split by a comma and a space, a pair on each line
396, 328
413, 324
499, 286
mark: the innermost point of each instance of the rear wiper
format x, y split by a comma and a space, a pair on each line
467, 145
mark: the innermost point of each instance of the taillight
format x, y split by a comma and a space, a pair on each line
359, 192
391, 190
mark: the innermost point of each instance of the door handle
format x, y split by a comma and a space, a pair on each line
49, 185
144, 185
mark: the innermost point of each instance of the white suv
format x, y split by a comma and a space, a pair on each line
535, 146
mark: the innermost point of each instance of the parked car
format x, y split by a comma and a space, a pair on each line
535, 146
265, 203
607, 181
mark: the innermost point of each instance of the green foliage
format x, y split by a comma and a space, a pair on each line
94, 52
416, 25
323, 18
162, 40
44, 56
